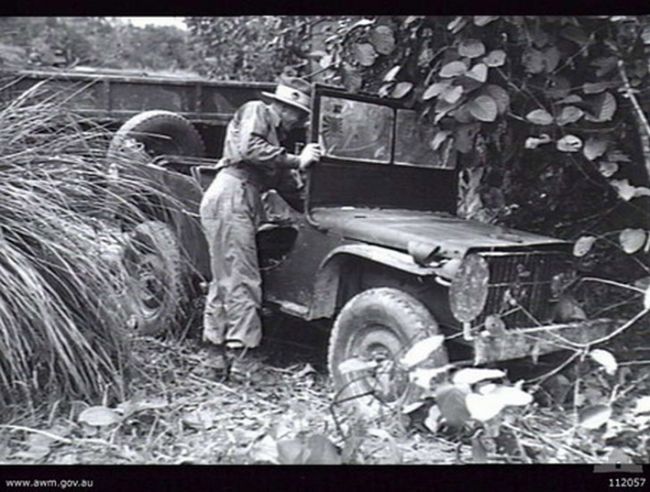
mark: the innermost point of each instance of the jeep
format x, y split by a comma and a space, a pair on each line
373, 244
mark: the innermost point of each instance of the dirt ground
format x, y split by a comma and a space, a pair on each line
179, 414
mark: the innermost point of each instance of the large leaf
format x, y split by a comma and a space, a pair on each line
534, 142
642, 404
533, 61
594, 148
99, 416
452, 93
511, 395
569, 143
569, 114
484, 20
603, 108
483, 108
451, 402
596, 87
355, 364
439, 138
457, 24
432, 422
500, 96
365, 54
559, 87
421, 350
551, 58
575, 34
383, 39
392, 73
471, 375
478, 72
595, 416
605, 359
322, 451
402, 89
483, 407
607, 168
627, 191
292, 452
453, 69
471, 48
583, 245
435, 89
464, 137
632, 240
422, 376
495, 58
540, 117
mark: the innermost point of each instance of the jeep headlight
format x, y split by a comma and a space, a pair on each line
469, 289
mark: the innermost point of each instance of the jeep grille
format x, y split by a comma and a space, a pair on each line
519, 289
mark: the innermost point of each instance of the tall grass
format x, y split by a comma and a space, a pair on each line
62, 325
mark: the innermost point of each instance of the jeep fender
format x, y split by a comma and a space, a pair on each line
329, 272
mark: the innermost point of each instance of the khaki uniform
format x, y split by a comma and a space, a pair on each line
231, 211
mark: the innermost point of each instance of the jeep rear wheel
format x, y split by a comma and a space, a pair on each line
158, 287
378, 326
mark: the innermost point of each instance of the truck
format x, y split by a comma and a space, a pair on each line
372, 246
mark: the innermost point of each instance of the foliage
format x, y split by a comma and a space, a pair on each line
62, 310
251, 47
93, 41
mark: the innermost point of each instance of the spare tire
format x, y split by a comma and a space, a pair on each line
159, 132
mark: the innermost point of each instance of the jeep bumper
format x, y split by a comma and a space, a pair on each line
517, 343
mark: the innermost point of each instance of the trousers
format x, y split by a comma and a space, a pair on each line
231, 211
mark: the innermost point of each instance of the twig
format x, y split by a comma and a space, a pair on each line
38, 431
639, 114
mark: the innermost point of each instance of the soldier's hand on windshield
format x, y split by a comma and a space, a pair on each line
310, 153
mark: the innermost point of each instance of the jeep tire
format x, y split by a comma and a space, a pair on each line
160, 132
158, 288
379, 325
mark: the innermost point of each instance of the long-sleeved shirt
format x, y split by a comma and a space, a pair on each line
253, 143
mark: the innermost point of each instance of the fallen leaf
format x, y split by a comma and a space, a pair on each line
452, 94
292, 452
511, 395
451, 402
471, 375
484, 20
321, 451
392, 73
432, 422
500, 96
308, 369
439, 138
421, 350
365, 54
483, 407
412, 407
479, 452
99, 416
642, 404
265, 450
383, 39
534, 142
646, 299
595, 416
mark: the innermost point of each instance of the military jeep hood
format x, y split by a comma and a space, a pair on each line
452, 236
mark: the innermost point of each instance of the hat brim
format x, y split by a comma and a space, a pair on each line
273, 97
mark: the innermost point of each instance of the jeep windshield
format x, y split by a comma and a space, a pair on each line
377, 154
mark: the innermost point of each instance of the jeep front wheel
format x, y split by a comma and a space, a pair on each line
158, 287
378, 326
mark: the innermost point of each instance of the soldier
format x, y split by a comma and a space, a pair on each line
253, 161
